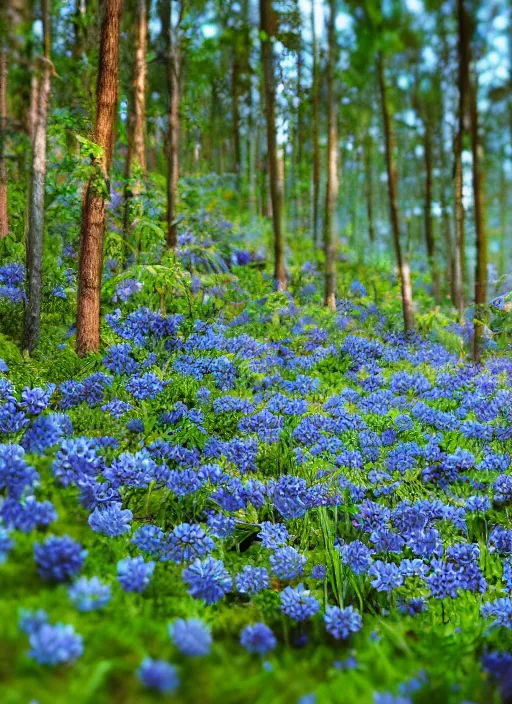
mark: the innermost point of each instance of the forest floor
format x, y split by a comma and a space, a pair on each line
242, 456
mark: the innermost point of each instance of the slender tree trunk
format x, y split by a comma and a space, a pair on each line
463, 50
173, 127
446, 222
4, 218
404, 271
35, 233
503, 258
136, 153
90, 265
315, 128
480, 229
332, 169
32, 108
429, 225
235, 95
267, 26
368, 144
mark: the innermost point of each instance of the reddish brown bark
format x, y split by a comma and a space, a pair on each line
36, 218
267, 27
404, 271
480, 230
136, 154
368, 181
4, 218
172, 39
315, 129
332, 169
429, 225
90, 264
463, 84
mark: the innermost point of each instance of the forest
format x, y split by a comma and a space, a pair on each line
255, 351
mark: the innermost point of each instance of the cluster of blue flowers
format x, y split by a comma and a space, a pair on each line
401, 478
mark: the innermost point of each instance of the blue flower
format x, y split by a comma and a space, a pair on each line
273, 535
258, 638
149, 539
192, 637
111, 520
386, 576
158, 675
298, 604
287, 563
31, 621
59, 559
89, 594
357, 556
52, 645
134, 574
207, 579
340, 623
252, 580
319, 572
186, 542
36, 400
501, 610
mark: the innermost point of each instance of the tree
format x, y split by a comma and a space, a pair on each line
136, 153
90, 265
404, 272
479, 217
172, 39
463, 85
332, 167
268, 28
4, 218
36, 215
315, 130
137, 117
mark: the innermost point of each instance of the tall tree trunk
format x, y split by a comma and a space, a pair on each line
463, 84
267, 27
4, 218
90, 265
315, 127
173, 124
480, 228
429, 225
332, 169
136, 153
235, 107
446, 221
503, 258
404, 271
35, 233
368, 178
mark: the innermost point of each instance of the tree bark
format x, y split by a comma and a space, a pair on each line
36, 219
332, 169
368, 178
429, 229
267, 27
90, 266
315, 128
463, 84
404, 271
480, 229
173, 125
4, 218
136, 153
235, 95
